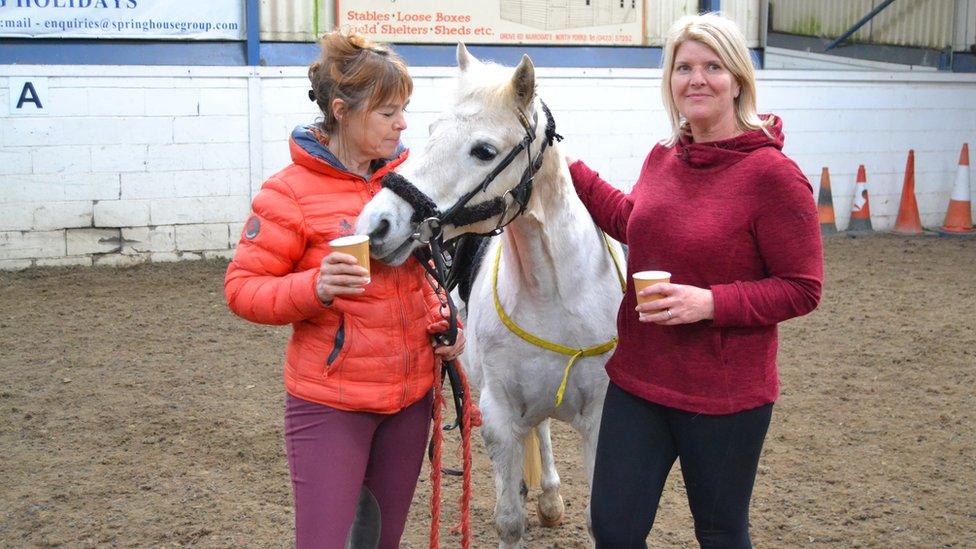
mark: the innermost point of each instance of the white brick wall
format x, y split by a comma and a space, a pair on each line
120, 213
119, 158
21, 245
149, 239
73, 159
93, 241
60, 215
15, 161
179, 211
203, 237
134, 164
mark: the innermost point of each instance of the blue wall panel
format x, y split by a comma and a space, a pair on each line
120, 52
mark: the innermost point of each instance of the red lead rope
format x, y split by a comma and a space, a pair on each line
470, 416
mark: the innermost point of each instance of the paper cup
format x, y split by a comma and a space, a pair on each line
356, 245
644, 279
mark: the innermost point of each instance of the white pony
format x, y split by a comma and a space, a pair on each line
555, 278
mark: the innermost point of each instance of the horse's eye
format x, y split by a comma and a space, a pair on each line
484, 151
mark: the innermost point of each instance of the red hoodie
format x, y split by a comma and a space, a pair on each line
737, 217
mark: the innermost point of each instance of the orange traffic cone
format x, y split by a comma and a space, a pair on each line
959, 219
825, 205
860, 209
908, 221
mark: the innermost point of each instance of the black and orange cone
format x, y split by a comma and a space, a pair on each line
825, 205
908, 221
860, 208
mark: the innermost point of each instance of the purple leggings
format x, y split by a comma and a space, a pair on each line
340, 459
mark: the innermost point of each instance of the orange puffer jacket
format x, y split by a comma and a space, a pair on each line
369, 352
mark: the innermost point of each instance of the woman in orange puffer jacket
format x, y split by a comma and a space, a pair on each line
360, 364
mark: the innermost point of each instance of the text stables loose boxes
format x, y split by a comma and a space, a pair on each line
497, 22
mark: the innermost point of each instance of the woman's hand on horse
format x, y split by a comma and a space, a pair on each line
340, 274
450, 352
681, 304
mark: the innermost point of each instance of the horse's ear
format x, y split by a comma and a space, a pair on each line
465, 59
523, 82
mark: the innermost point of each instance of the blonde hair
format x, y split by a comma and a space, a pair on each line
362, 74
723, 37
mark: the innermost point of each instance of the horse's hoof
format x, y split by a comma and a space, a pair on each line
551, 511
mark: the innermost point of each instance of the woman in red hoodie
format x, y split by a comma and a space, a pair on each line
360, 365
733, 220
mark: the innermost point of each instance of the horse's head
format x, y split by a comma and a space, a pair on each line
493, 112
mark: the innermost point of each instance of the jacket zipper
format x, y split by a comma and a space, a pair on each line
406, 348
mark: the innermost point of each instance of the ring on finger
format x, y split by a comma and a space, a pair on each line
670, 316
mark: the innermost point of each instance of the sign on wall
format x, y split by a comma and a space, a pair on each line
590, 22
151, 19
28, 96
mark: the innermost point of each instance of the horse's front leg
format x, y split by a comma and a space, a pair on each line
503, 441
551, 505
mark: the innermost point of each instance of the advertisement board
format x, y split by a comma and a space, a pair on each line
571, 22
149, 19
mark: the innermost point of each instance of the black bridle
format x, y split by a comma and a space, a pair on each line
438, 258
430, 220
435, 256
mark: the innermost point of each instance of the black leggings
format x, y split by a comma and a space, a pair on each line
638, 444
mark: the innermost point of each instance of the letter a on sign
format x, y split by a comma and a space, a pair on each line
29, 96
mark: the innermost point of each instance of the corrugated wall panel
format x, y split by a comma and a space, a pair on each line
661, 13
826, 18
923, 23
965, 27
746, 14
295, 20
920, 23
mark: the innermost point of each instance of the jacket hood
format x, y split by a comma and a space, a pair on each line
716, 154
308, 151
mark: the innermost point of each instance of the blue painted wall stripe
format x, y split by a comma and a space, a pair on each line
443, 55
253, 18
28, 51
120, 52
191, 53
963, 62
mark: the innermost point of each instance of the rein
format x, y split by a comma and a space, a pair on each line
575, 353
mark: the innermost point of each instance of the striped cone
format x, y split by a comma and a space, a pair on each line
825, 205
860, 208
959, 219
908, 221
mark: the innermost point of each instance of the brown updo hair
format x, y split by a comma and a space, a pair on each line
363, 74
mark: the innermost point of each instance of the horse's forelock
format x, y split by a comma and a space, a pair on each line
488, 84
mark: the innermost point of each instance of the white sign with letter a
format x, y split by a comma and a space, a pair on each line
29, 96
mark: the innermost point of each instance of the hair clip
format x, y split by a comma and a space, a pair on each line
311, 95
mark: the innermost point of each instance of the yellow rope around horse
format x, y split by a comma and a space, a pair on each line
575, 353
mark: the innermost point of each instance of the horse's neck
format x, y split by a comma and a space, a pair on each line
546, 248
